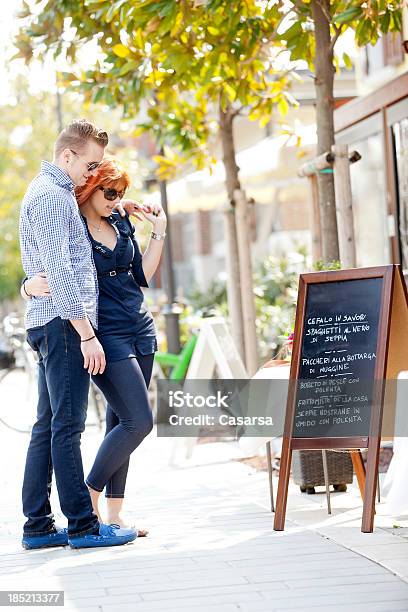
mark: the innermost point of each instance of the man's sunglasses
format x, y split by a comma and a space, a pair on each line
90, 165
111, 194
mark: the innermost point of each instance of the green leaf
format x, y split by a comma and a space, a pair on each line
131, 65
114, 10
293, 32
178, 25
385, 22
120, 50
92, 2
348, 15
283, 106
347, 61
396, 21
213, 31
362, 32
99, 94
263, 122
230, 91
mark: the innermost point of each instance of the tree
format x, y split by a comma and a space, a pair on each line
24, 141
310, 33
28, 130
192, 67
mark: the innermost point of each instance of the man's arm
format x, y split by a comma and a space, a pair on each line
50, 220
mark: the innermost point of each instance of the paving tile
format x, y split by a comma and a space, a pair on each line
369, 592
188, 603
321, 601
203, 608
338, 580
209, 590
149, 591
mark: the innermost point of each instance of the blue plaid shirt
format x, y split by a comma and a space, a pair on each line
53, 239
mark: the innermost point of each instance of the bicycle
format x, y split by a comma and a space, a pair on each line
17, 355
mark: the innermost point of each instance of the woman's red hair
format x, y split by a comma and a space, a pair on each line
109, 174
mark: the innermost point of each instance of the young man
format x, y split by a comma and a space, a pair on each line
60, 327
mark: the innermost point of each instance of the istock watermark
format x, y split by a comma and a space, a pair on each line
220, 408
334, 405
181, 399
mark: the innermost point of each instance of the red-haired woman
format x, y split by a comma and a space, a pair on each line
125, 326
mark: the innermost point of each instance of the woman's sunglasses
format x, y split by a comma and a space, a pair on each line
111, 194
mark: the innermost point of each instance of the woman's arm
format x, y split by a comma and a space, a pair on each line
35, 286
151, 257
152, 254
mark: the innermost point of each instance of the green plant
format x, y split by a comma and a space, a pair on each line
275, 288
213, 300
322, 266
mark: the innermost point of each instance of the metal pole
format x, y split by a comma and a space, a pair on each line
270, 471
326, 480
171, 310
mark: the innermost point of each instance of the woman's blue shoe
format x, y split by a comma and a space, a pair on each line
109, 535
55, 538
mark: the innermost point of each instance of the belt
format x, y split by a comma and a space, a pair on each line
116, 271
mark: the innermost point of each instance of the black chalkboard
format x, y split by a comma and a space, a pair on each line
350, 336
337, 359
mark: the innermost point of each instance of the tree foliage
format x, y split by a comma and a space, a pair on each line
310, 33
368, 20
178, 61
28, 130
189, 67
25, 139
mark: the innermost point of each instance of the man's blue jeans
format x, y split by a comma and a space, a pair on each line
63, 386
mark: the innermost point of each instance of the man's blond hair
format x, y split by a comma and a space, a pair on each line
76, 136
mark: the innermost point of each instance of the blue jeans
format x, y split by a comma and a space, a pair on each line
63, 386
128, 421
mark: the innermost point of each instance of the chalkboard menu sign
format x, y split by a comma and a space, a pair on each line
337, 360
350, 335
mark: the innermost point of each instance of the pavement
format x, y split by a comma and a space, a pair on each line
211, 545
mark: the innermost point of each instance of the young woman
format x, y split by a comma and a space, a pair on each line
125, 326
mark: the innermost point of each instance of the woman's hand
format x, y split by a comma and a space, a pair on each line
151, 212
157, 217
38, 285
131, 207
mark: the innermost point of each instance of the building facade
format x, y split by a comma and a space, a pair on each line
376, 125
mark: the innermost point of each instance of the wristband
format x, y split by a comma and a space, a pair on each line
87, 339
158, 236
25, 290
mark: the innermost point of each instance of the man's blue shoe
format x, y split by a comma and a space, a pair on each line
55, 538
109, 535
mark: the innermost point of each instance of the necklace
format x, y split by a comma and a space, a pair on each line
98, 229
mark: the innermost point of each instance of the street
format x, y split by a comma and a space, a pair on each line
211, 543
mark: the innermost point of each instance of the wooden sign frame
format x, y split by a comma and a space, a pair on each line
393, 314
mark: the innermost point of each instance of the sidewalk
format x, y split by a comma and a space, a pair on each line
211, 544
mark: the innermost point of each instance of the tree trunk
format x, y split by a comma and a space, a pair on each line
324, 83
232, 256
247, 290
